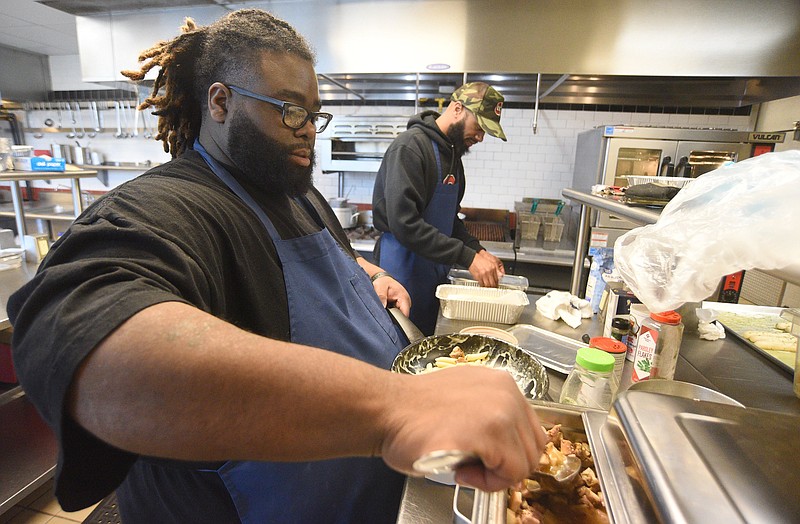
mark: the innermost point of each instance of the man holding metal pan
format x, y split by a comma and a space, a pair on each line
418, 193
204, 342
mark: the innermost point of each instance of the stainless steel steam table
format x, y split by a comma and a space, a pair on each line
725, 365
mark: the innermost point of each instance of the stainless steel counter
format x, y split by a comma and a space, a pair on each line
638, 215
27, 445
726, 365
10, 281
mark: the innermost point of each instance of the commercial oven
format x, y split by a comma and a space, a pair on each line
357, 143
609, 154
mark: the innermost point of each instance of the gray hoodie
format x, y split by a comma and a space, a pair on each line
406, 182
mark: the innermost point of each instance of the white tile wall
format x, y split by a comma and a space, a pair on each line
498, 173
538, 165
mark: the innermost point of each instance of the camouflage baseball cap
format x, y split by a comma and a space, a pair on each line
486, 103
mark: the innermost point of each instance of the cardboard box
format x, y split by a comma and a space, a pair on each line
37, 163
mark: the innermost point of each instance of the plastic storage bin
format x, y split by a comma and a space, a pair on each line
482, 304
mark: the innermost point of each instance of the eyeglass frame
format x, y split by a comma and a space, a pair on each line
311, 116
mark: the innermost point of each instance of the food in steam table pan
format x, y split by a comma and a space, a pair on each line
580, 502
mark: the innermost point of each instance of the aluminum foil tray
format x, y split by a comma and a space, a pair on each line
462, 277
483, 304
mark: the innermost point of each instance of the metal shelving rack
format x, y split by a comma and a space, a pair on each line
71, 173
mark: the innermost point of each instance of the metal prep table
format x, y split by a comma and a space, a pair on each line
638, 215
726, 365
71, 173
28, 448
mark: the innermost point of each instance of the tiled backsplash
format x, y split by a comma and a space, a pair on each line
537, 165
498, 173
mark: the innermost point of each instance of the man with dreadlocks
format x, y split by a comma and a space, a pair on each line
204, 341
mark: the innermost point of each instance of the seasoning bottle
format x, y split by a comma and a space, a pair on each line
657, 346
590, 381
616, 349
620, 329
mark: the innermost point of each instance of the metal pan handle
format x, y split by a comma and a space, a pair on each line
411, 331
487, 508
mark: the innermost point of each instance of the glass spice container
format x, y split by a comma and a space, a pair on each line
590, 381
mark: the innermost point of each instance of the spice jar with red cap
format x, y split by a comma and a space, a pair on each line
657, 347
616, 349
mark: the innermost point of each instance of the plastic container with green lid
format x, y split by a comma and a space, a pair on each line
590, 383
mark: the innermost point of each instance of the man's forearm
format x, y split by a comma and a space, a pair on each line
176, 382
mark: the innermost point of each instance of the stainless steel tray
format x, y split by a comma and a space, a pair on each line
489, 508
556, 352
697, 461
755, 312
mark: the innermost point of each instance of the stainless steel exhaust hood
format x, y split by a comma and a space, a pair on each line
617, 53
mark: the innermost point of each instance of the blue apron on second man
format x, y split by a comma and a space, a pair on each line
419, 275
333, 305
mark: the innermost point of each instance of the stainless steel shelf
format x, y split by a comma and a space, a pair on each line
71, 172
39, 211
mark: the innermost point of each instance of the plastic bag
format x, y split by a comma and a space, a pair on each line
741, 216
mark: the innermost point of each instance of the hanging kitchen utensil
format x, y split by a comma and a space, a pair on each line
60, 116
92, 112
82, 132
117, 111
125, 123
135, 120
146, 125
72, 120
98, 125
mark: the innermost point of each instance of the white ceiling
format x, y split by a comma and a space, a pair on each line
32, 27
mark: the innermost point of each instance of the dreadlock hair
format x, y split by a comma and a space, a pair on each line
202, 55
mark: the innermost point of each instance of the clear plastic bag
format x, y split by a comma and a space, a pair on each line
743, 215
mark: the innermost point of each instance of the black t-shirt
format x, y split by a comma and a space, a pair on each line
175, 233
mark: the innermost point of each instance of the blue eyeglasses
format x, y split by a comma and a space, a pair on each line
294, 116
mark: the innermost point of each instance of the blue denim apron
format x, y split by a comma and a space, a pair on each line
332, 305
419, 275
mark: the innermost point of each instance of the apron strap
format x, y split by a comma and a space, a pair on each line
237, 188
438, 160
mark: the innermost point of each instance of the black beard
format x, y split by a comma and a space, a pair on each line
264, 162
455, 134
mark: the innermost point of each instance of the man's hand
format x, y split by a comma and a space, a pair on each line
392, 293
486, 269
478, 410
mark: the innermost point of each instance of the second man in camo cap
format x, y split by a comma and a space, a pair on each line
417, 197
